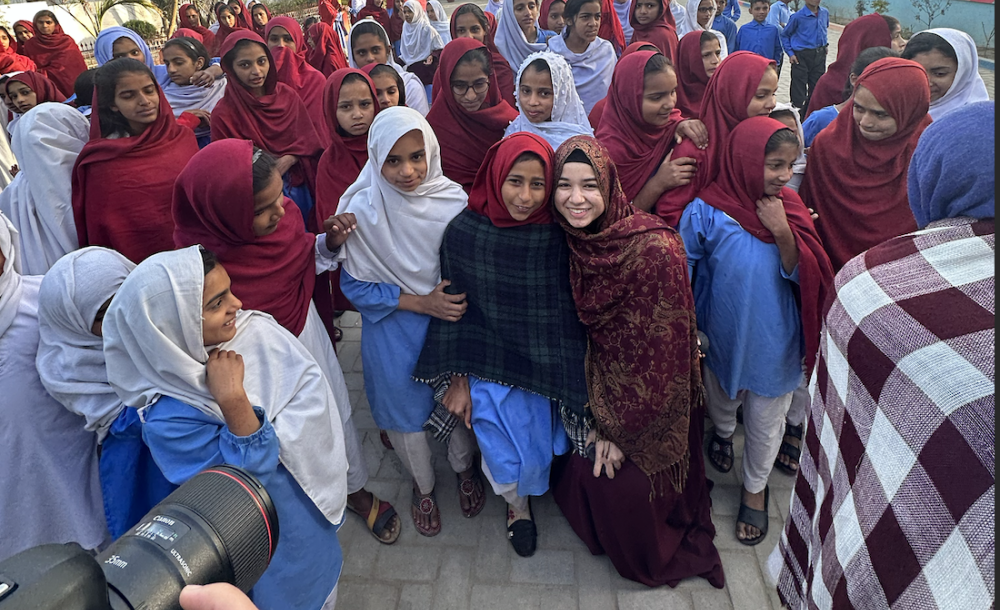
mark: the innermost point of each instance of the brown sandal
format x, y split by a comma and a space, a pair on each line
472, 489
427, 506
380, 518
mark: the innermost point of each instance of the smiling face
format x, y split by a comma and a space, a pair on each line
578, 195
470, 85
251, 67
125, 47
585, 25
778, 168
555, 16
22, 33
711, 56
872, 119
179, 66
137, 100
941, 71
659, 96
763, 100
355, 108
20, 96
405, 166
219, 307
523, 190
387, 91
268, 207
368, 49
279, 37
535, 94
647, 11
192, 16
45, 25
468, 26
259, 14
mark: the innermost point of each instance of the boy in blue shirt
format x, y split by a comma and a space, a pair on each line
725, 25
758, 36
804, 40
779, 14
732, 10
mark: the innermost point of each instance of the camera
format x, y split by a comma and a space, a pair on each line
220, 526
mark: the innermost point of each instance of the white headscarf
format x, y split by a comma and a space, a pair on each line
70, 357
680, 14
689, 23
416, 95
592, 69
568, 116
47, 141
510, 39
399, 234
799, 166
440, 21
153, 345
968, 85
419, 37
10, 279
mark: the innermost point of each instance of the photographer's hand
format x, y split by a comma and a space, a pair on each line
216, 596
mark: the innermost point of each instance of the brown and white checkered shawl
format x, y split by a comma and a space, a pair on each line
894, 503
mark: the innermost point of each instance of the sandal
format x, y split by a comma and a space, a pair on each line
719, 447
384, 437
473, 490
789, 450
523, 534
426, 505
379, 518
754, 518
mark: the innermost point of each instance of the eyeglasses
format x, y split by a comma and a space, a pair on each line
705, 9
461, 88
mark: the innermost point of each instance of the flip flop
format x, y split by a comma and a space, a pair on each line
378, 519
754, 518
469, 488
426, 505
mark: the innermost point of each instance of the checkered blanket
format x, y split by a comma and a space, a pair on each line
894, 503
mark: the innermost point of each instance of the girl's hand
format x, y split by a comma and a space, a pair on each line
677, 172
458, 399
202, 78
607, 457
444, 306
285, 163
224, 371
14, 169
204, 115
813, 214
694, 130
429, 60
337, 229
771, 212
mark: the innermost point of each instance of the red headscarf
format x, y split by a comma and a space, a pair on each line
501, 69
486, 199
278, 121
58, 57
611, 27
243, 19
328, 12
395, 29
187, 33
295, 71
222, 34
10, 59
465, 136
724, 105
261, 30
543, 13
636, 147
45, 90
858, 187
26, 25
662, 31
374, 9
122, 186
860, 34
691, 76
736, 190
207, 36
343, 159
326, 55
274, 273
595, 113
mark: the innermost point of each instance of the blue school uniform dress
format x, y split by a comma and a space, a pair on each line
745, 303
308, 560
778, 14
805, 30
728, 28
391, 340
518, 432
543, 36
760, 38
817, 122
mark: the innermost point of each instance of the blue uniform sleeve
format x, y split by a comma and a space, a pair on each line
732, 10
693, 234
786, 35
184, 441
374, 300
740, 43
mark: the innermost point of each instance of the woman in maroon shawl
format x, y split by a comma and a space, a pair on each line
692, 75
598, 110
661, 30
856, 180
611, 28
10, 59
259, 12
288, 46
55, 53
190, 18
375, 10
858, 35
124, 176
228, 24
259, 108
652, 514
467, 112
43, 89
742, 86
326, 54
23, 31
469, 21
241, 13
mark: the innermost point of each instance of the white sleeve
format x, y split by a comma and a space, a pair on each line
416, 95
325, 259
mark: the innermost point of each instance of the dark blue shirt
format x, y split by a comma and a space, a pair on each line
732, 10
728, 28
805, 30
760, 38
817, 122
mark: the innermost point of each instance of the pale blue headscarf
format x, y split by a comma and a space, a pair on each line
106, 40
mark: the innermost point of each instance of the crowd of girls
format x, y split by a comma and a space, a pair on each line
573, 231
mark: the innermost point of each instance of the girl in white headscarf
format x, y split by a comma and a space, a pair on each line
420, 39
368, 43
217, 384
693, 20
547, 100
952, 64
392, 273
592, 58
439, 20
47, 140
510, 38
51, 492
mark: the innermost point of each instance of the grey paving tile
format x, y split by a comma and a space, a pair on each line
655, 599
358, 595
414, 563
544, 568
416, 597
596, 598
714, 599
592, 570
744, 580
454, 583
506, 597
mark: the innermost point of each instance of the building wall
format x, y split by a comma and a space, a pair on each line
970, 17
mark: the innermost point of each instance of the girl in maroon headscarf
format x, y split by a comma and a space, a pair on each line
656, 26
259, 108
860, 34
550, 15
376, 10
595, 114
29, 89
697, 59
23, 30
10, 59
241, 13
55, 53
228, 23
857, 165
288, 46
643, 425
611, 28
124, 176
260, 16
325, 54
467, 113
242, 217
190, 18
469, 21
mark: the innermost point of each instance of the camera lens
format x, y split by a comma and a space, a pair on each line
220, 526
